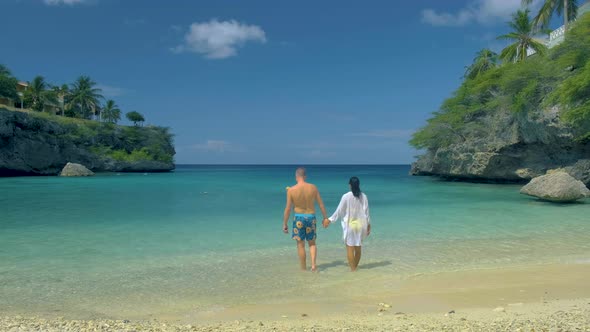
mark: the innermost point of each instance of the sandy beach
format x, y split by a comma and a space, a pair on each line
534, 298
561, 315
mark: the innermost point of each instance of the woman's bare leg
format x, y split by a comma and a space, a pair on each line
350, 256
357, 256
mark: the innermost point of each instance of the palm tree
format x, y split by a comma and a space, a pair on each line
85, 97
568, 8
111, 112
485, 60
522, 37
62, 92
38, 95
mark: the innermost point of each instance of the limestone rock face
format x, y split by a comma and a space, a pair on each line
508, 147
72, 169
34, 146
580, 171
556, 187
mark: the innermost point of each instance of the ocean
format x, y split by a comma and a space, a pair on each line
205, 238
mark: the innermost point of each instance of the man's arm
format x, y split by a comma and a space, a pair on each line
287, 212
321, 203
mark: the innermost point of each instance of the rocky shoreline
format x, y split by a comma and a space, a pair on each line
39, 144
551, 317
510, 150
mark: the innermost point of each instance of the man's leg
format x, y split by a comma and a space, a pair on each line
301, 253
350, 256
313, 252
357, 256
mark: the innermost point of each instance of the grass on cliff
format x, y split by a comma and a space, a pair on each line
559, 78
121, 143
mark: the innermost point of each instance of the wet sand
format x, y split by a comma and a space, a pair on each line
540, 298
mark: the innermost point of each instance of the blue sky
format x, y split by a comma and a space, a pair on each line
274, 82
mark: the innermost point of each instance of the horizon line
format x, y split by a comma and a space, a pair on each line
302, 164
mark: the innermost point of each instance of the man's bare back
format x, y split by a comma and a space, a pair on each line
304, 196
301, 199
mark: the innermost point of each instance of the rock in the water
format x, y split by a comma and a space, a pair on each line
580, 171
72, 169
556, 187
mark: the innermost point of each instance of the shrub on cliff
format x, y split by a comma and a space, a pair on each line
562, 77
7, 84
108, 140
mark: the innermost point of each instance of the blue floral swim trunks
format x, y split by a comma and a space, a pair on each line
304, 227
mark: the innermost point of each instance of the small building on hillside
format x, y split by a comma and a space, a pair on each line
557, 36
21, 87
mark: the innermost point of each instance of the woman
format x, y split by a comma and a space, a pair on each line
353, 210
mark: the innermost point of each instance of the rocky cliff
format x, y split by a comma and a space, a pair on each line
515, 121
40, 144
509, 148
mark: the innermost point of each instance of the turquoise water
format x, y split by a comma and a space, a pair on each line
206, 236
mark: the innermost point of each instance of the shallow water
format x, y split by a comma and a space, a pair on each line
207, 237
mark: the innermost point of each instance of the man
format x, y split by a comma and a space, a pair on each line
302, 198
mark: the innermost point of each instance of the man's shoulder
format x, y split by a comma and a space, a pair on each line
311, 185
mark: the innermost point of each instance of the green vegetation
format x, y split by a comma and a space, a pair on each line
485, 60
111, 112
82, 99
38, 96
135, 117
522, 37
130, 144
569, 9
7, 84
560, 77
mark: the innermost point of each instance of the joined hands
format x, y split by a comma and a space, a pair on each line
326, 222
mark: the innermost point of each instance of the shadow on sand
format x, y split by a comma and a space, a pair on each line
361, 266
373, 265
331, 265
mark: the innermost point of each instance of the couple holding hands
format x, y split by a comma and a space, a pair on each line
353, 212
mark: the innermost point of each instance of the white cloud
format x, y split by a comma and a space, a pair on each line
111, 91
64, 2
219, 40
390, 133
476, 11
219, 146
432, 17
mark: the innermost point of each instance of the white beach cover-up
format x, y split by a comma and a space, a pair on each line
354, 213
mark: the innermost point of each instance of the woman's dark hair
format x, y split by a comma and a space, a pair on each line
355, 186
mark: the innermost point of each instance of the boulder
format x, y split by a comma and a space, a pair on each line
556, 187
580, 171
72, 169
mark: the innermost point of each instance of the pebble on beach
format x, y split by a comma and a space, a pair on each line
554, 319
